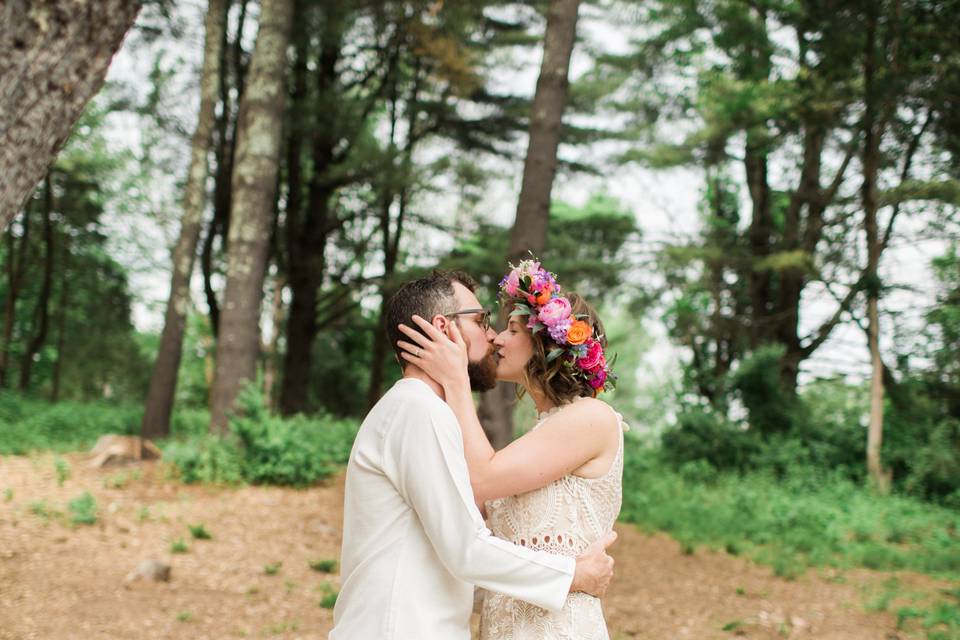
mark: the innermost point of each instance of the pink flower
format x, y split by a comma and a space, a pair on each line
594, 357
598, 380
512, 283
555, 311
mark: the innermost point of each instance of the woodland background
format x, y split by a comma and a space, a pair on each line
761, 198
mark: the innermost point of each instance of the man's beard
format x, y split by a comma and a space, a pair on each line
483, 374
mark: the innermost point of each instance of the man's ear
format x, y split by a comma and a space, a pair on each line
441, 322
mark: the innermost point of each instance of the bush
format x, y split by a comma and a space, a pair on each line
264, 448
702, 435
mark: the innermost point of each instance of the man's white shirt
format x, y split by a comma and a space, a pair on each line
414, 543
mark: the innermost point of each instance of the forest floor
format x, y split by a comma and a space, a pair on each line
253, 578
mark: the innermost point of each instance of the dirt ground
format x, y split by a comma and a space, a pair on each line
253, 579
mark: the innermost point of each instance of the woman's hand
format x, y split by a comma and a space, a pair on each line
443, 357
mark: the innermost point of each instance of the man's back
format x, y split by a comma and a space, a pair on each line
414, 543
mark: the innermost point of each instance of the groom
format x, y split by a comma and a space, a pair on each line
414, 543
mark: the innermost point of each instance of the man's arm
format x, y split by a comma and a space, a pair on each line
424, 458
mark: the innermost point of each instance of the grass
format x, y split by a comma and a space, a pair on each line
328, 595
62, 469
199, 532
807, 519
83, 509
178, 546
324, 566
273, 568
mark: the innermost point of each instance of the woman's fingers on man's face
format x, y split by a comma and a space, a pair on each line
408, 346
413, 334
431, 330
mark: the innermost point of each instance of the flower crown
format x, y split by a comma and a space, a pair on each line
536, 294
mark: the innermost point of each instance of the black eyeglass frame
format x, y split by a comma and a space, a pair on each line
484, 320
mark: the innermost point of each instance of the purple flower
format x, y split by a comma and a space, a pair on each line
558, 332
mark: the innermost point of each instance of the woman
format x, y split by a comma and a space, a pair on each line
558, 487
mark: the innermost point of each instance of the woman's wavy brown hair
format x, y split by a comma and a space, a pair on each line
556, 378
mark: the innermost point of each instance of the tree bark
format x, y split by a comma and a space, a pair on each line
270, 349
254, 186
873, 129
163, 382
61, 320
15, 269
54, 56
43, 304
529, 233
308, 224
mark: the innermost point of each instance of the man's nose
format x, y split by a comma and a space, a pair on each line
491, 334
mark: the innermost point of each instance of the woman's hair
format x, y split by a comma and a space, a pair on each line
557, 378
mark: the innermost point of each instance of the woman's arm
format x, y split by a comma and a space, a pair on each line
569, 439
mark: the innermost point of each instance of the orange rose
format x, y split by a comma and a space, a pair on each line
579, 332
543, 297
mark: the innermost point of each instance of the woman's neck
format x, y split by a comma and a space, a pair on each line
540, 400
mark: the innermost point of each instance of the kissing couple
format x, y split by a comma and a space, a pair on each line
422, 472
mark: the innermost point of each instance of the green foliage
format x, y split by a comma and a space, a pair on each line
28, 424
88, 348
83, 509
264, 448
205, 458
328, 596
199, 532
62, 470
808, 517
178, 546
273, 568
324, 566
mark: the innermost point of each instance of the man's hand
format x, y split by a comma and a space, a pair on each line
594, 568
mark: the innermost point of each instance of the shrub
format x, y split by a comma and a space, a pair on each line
83, 509
264, 448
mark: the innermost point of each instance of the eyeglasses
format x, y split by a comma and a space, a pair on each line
483, 320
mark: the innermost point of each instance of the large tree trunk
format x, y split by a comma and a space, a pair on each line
54, 56
163, 382
254, 189
529, 232
43, 304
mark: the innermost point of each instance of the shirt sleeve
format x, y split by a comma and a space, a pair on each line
423, 455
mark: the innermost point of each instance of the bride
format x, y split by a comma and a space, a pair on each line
558, 487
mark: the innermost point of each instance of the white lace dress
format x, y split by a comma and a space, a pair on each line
564, 517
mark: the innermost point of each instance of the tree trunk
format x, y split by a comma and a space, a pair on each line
61, 320
254, 188
873, 129
307, 227
15, 269
529, 233
270, 349
163, 382
226, 150
54, 56
43, 304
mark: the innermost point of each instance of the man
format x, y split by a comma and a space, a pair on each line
414, 543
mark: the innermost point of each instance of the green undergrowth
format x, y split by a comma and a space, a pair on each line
804, 518
263, 448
